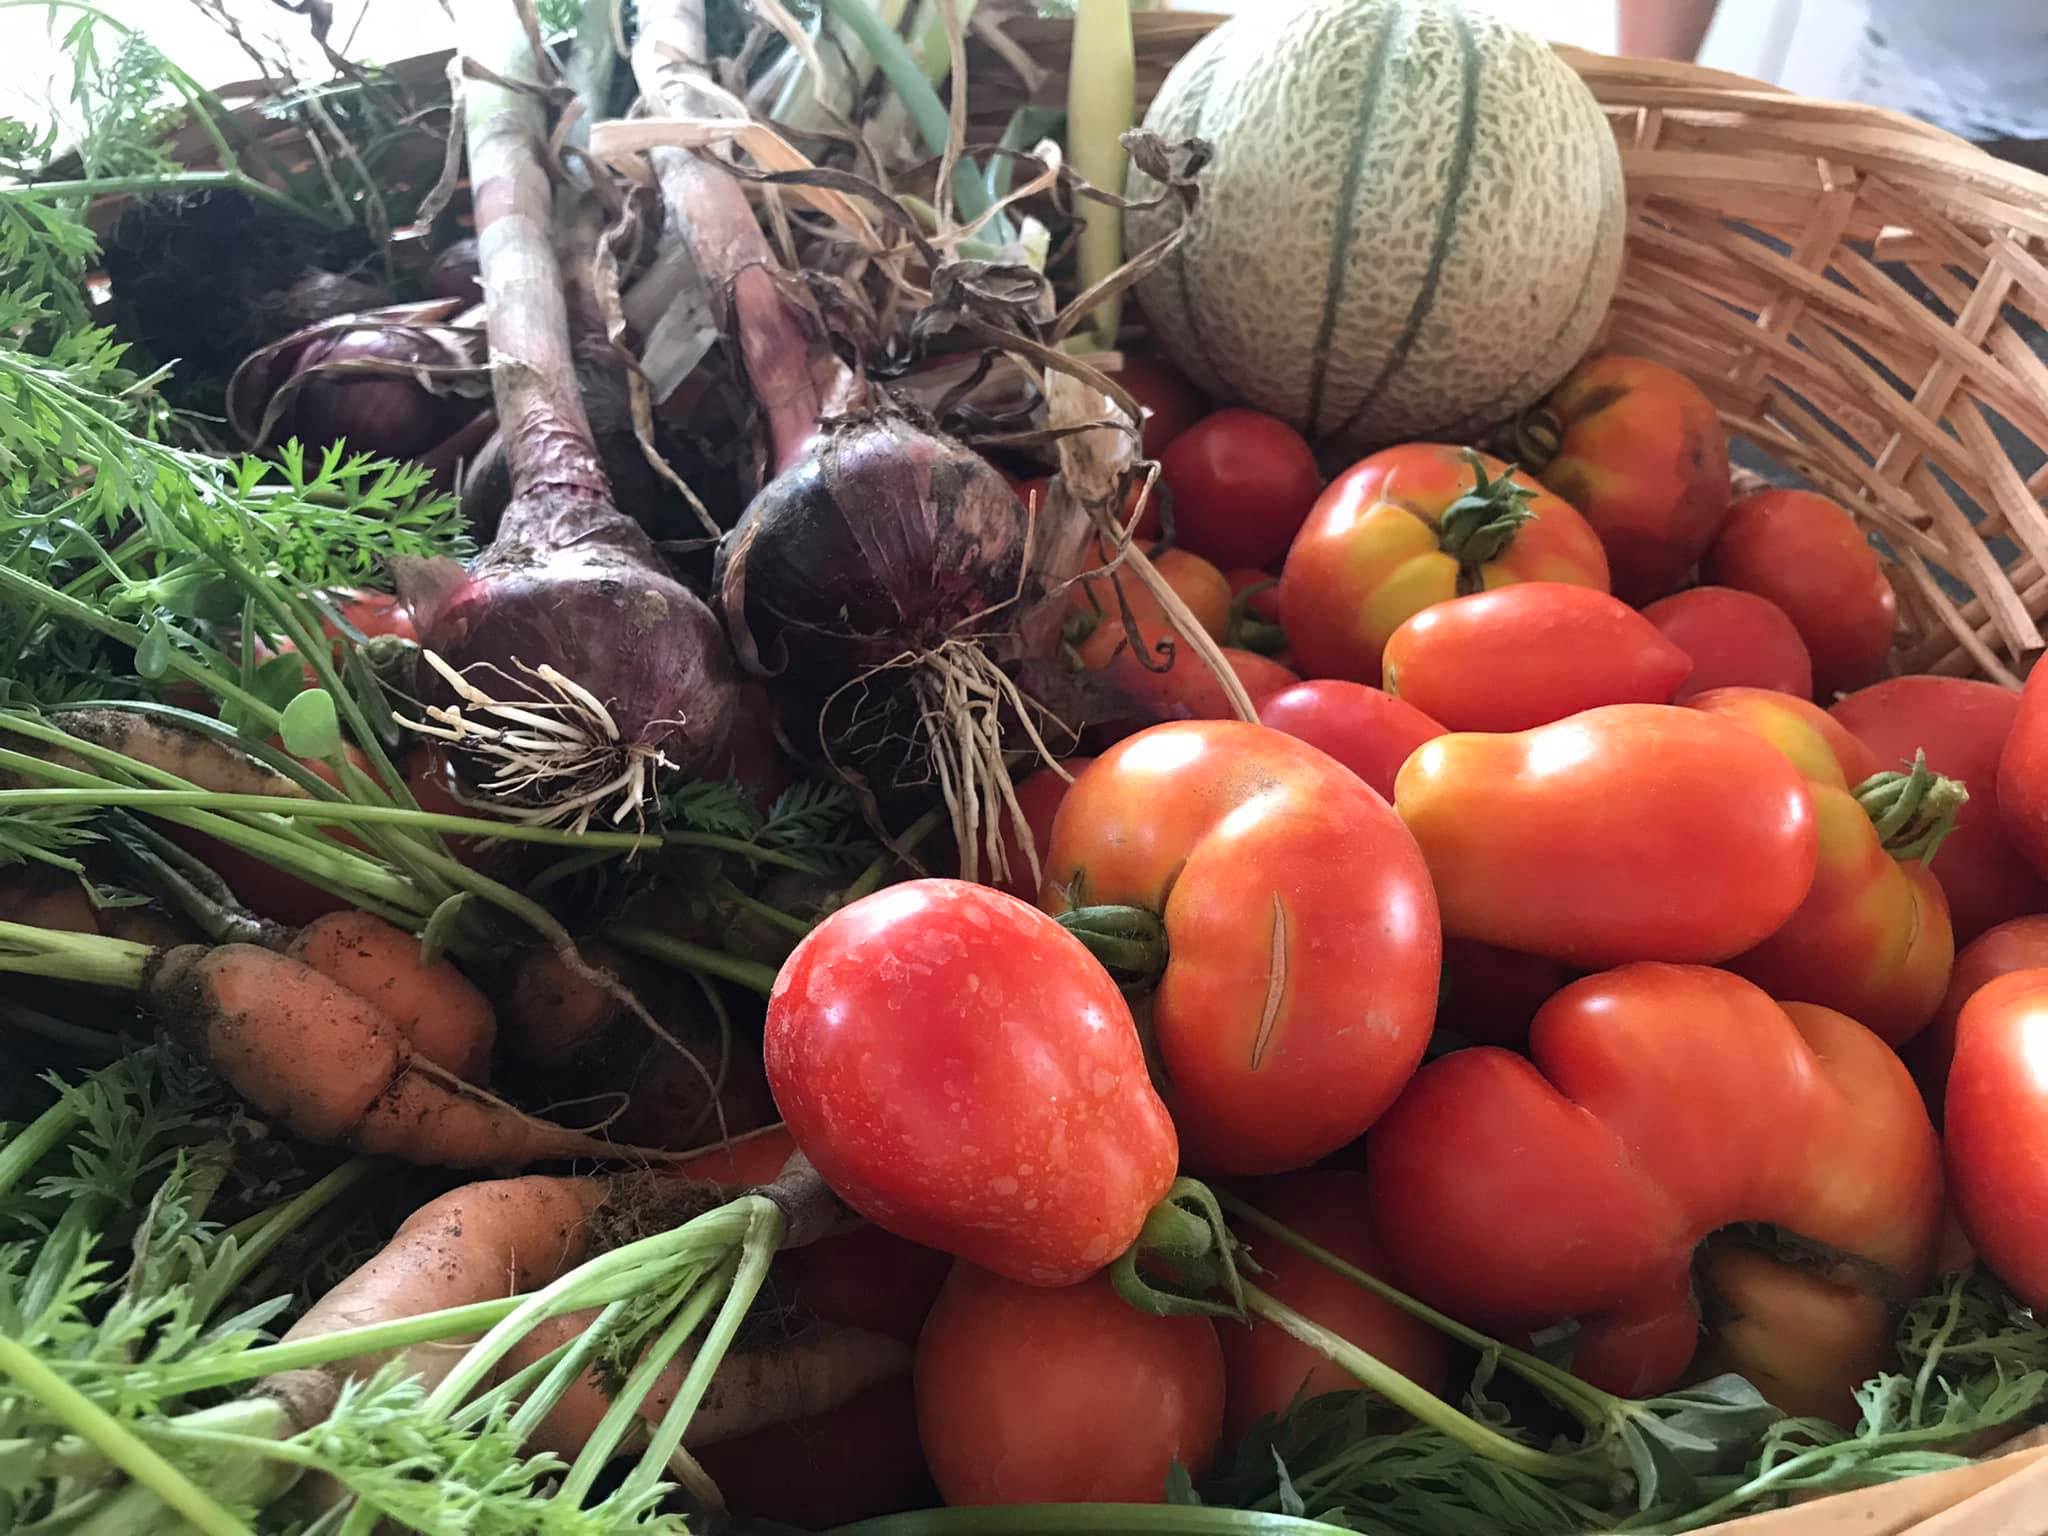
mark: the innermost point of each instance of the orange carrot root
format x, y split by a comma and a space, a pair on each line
809, 1371
435, 1006
477, 1243
329, 1066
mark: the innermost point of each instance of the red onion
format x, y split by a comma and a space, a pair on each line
565, 667
388, 381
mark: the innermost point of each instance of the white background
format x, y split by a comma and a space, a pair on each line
1803, 44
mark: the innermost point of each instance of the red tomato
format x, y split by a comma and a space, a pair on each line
1170, 403
1490, 994
1039, 798
2022, 783
373, 613
1404, 529
1194, 581
1997, 1125
1528, 654
1027, 1395
1807, 555
1735, 639
2018, 945
1242, 484
964, 1074
743, 1161
1301, 979
1264, 1368
1658, 1105
1644, 457
1633, 832
1872, 937
432, 783
1370, 732
1962, 726
1188, 690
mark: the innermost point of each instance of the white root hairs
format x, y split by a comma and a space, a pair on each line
559, 753
961, 692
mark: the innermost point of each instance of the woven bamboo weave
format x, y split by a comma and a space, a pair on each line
1771, 240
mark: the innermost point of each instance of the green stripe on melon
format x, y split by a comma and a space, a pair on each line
1410, 228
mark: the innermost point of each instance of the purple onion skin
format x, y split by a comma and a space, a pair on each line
883, 538
573, 582
456, 274
388, 414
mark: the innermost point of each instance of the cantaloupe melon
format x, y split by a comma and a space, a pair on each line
1410, 228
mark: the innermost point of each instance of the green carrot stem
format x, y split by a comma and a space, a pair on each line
326, 1348
557, 1370
111, 1439
1420, 1403
670, 950
83, 957
36, 1140
100, 1044
177, 659
621, 1272
871, 878
757, 1251
262, 1233
795, 927
622, 1416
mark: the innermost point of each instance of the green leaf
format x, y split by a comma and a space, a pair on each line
310, 727
1180, 1488
153, 656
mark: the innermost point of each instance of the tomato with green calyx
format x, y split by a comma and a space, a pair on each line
1242, 484
964, 1074
1255, 612
1416, 525
1963, 726
1642, 454
1735, 639
1028, 1395
1997, 1130
2018, 945
1632, 832
1806, 554
1658, 1106
1528, 654
1267, 1369
1295, 945
1370, 732
1872, 937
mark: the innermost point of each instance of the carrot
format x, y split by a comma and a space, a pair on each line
435, 1006
811, 1370
331, 1067
48, 898
553, 1014
201, 759
481, 1242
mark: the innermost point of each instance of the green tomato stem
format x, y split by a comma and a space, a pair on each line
111, 1439
1477, 528
1130, 942
1592, 1406
1914, 811
1417, 1401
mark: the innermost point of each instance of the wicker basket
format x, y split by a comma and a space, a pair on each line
1758, 222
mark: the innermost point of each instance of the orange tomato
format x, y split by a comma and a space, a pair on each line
1194, 581
1402, 530
1644, 458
